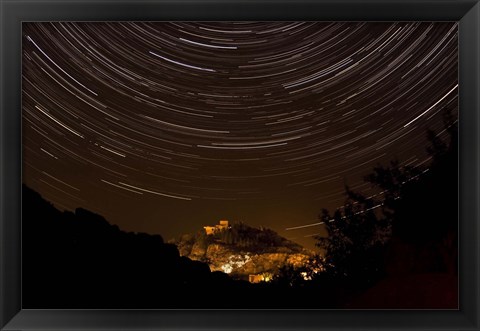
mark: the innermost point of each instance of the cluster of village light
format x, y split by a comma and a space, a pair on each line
235, 262
238, 261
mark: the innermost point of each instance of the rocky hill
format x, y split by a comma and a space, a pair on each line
241, 250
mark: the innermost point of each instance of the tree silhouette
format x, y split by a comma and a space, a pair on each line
416, 219
354, 242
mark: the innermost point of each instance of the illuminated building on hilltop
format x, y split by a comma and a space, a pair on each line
223, 225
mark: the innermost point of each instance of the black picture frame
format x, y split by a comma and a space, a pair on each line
13, 12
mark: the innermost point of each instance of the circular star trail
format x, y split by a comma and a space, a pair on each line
165, 127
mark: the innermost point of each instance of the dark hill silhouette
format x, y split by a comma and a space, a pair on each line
79, 260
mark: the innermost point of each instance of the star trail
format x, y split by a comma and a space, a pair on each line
164, 127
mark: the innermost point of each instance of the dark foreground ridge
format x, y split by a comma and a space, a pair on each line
79, 260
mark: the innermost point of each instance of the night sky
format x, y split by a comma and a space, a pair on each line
164, 127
